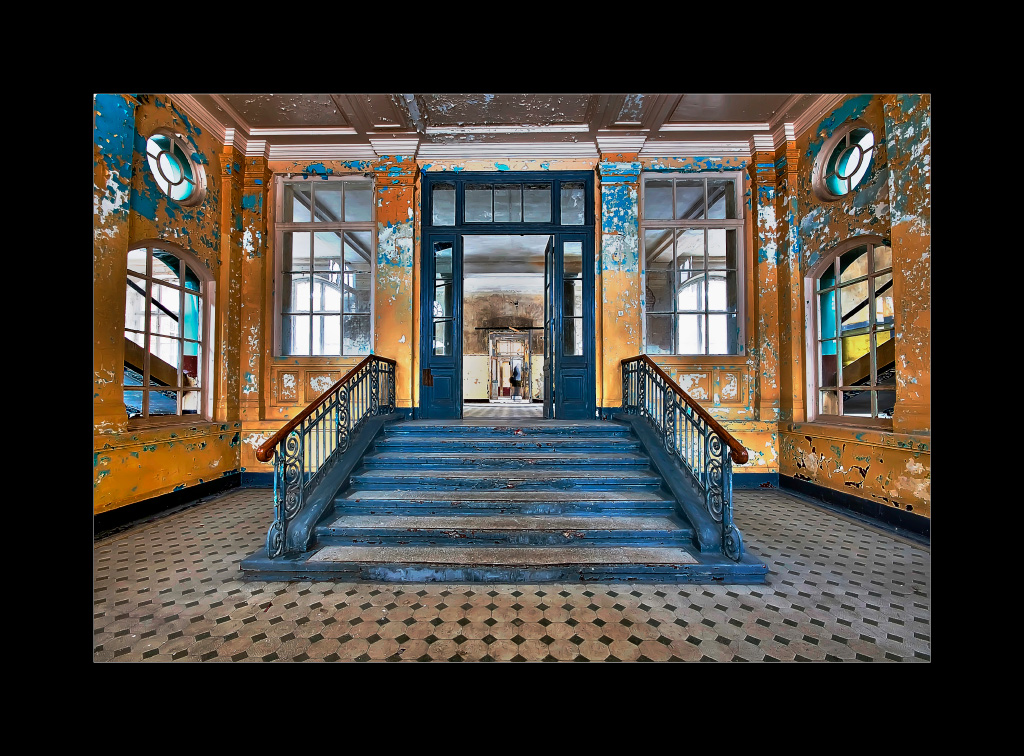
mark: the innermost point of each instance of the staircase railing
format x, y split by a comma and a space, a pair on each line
310, 444
700, 443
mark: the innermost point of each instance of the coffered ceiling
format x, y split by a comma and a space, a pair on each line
481, 126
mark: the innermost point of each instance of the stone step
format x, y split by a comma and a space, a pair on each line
549, 478
511, 443
486, 530
503, 459
506, 501
485, 428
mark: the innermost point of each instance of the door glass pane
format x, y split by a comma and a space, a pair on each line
508, 203
721, 198
690, 334
827, 365
296, 294
442, 204
296, 250
572, 297
571, 204
572, 254
295, 334
658, 198
326, 334
572, 336
659, 334
723, 334
689, 199
443, 298
442, 259
537, 203
327, 250
478, 203
853, 264
357, 334
442, 337
358, 200
297, 201
327, 202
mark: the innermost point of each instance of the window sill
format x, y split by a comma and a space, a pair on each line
869, 434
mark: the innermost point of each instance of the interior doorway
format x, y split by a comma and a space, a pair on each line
510, 366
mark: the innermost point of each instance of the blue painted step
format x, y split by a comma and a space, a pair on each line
510, 459
509, 501
550, 478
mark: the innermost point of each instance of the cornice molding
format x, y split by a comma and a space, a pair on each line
724, 126
519, 128
304, 131
614, 143
321, 152
200, 115
511, 151
762, 143
813, 114
786, 132
393, 146
694, 149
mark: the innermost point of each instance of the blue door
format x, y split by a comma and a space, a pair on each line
441, 355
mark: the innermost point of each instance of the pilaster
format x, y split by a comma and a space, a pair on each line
908, 144
766, 284
619, 286
227, 401
394, 306
253, 318
113, 145
790, 281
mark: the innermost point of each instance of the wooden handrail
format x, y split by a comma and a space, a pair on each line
266, 451
737, 451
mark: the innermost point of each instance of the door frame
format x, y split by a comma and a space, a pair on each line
450, 406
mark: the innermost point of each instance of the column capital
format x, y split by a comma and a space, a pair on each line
618, 171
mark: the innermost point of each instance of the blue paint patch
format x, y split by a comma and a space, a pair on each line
852, 108
178, 488
502, 166
317, 169
545, 166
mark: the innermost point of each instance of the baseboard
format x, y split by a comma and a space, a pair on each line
106, 524
754, 480
897, 521
257, 480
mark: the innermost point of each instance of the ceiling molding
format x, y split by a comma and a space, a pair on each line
257, 148
520, 151
783, 110
762, 143
200, 115
786, 132
519, 128
234, 138
718, 126
321, 152
393, 146
611, 143
305, 131
695, 149
813, 114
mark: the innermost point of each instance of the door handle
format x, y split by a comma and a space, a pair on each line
428, 379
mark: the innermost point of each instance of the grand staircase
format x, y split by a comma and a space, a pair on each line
483, 500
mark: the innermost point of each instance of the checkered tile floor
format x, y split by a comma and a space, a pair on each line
504, 410
168, 590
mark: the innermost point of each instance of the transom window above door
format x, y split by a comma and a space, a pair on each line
557, 201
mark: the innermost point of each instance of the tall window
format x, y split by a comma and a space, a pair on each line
692, 247
166, 326
854, 346
325, 235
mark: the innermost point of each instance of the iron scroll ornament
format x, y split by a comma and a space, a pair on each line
287, 490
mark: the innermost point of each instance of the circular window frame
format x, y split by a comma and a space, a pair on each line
198, 182
819, 175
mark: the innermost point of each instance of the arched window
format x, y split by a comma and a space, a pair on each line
167, 318
851, 333
843, 161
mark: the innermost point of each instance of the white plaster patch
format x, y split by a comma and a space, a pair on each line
320, 383
915, 468
256, 440
731, 389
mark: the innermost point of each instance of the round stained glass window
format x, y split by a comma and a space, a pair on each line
843, 161
179, 176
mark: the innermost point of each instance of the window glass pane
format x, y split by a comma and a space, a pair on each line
163, 361
297, 201
721, 248
192, 281
828, 278
721, 198
357, 334
886, 403
537, 203
883, 299
660, 293
442, 259
690, 249
296, 250
690, 334
853, 264
690, 295
572, 254
191, 364
295, 334
327, 201
827, 315
658, 198
137, 338
358, 201
478, 203
443, 299
442, 204
658, 246
572, 336
659, 334
165, 267
571, 205
135, 305
137, 261
164, 317
857, 360
190, 402
723, 334
508, 203
358, 250
854, 302
326, 334
327, 250
857, 403
827, 370
828, 403
722, 291
885, 359
133, 403
358, 289
327, 292
163, 403
192, 318
883, 258
572, 297
442, 337
689, 199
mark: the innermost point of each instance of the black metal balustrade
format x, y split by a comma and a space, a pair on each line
697, 440
306, 449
